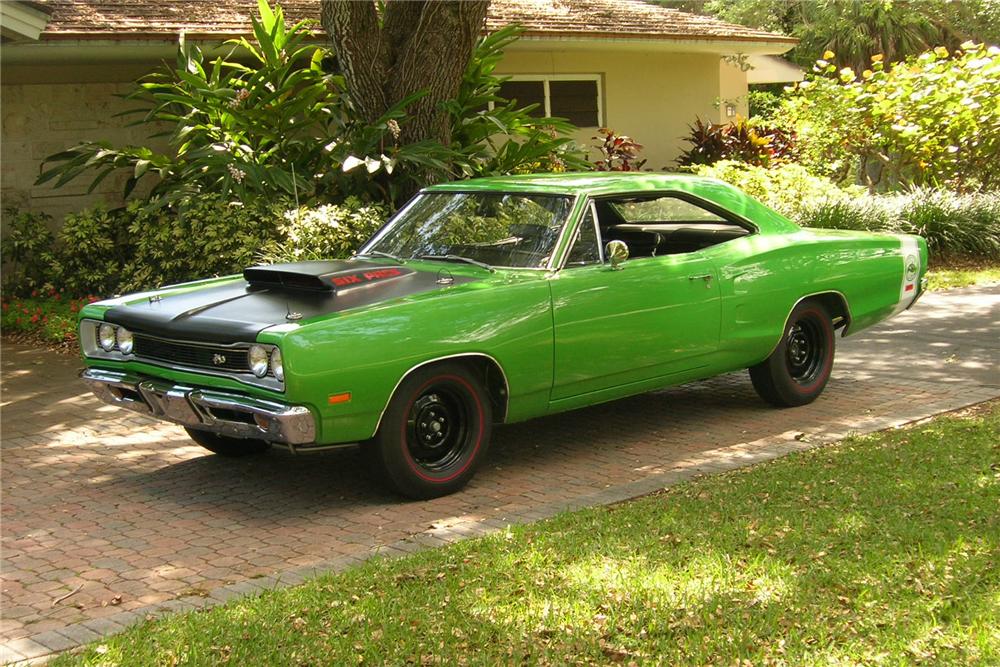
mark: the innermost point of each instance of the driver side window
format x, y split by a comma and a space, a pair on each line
586, 248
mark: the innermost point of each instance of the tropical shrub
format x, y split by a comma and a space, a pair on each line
930, 120
260, 128
787, 188
208, 236
26, 244
953, 224
740, 140
763, 105
103, 252
324, 232
618, 152
90, 253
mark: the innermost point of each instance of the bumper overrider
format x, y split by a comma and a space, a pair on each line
232, 415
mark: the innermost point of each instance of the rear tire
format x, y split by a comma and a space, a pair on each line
225, 446
799, 368
434, 433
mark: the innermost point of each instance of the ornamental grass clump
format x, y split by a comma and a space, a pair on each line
955, 225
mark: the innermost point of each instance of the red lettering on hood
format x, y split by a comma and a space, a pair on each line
344, 281
364, 277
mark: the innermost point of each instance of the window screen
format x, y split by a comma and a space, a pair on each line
575, 101
525, 93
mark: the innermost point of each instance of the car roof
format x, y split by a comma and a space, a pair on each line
589, 182
599, 183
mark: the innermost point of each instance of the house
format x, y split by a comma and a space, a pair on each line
643, 69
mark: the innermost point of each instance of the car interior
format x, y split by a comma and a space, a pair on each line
655, 225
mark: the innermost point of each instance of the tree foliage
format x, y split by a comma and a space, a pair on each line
858, 29
933, 119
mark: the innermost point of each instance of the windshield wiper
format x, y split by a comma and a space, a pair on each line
379, 253
459, 258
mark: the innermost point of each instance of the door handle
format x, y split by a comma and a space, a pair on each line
706, 277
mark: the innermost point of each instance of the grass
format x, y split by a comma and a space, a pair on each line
884, 549
962, 273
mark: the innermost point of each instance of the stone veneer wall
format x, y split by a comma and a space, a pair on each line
42, 119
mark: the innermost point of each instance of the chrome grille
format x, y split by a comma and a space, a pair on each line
216, 357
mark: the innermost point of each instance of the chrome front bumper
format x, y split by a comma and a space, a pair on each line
227, 414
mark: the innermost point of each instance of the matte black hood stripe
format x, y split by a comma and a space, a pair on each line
236, 312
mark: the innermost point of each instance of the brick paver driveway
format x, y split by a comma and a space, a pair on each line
135, 518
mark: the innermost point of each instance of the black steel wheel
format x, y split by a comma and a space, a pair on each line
225, 446
434, 433
798, 369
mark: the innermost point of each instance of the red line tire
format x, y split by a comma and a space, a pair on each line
434, 433
225, 446
799, 368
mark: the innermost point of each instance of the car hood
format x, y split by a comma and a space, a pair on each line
236, 311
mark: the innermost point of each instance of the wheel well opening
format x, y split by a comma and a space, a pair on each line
836, 305
489, 372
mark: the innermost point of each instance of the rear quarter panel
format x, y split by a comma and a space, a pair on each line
763, 276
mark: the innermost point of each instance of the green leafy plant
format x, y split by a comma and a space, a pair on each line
740, 140
207, 236
258, 129
325, 232
930, 120
493, 135
787, 187
26, 246
618, 152
91, 251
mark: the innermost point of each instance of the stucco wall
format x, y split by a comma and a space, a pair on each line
650, 96
42, 119
732, 90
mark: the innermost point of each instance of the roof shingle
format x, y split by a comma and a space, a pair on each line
151, 19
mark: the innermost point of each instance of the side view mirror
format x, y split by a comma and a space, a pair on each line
617, 252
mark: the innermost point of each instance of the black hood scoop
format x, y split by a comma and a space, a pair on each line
237, 311
322, 276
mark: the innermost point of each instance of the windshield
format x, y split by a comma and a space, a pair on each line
499, 229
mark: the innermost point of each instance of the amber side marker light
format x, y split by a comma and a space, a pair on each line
340, 398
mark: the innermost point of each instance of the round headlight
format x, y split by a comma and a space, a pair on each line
257, 356
125, 341
276, 367
106, 337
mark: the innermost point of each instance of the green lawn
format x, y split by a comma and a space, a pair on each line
962, 274
884, 549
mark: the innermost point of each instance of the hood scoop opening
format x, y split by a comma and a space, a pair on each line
324, 276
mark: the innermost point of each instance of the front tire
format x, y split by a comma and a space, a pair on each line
225, 446
799, 368
434, 433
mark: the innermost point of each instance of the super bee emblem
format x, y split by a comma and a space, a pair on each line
218, 359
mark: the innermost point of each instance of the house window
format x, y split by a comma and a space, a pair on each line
574, 97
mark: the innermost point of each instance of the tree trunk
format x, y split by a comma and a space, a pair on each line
415, 45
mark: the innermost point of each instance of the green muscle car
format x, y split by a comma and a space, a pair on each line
494, 301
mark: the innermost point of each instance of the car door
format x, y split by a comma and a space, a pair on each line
651, 317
